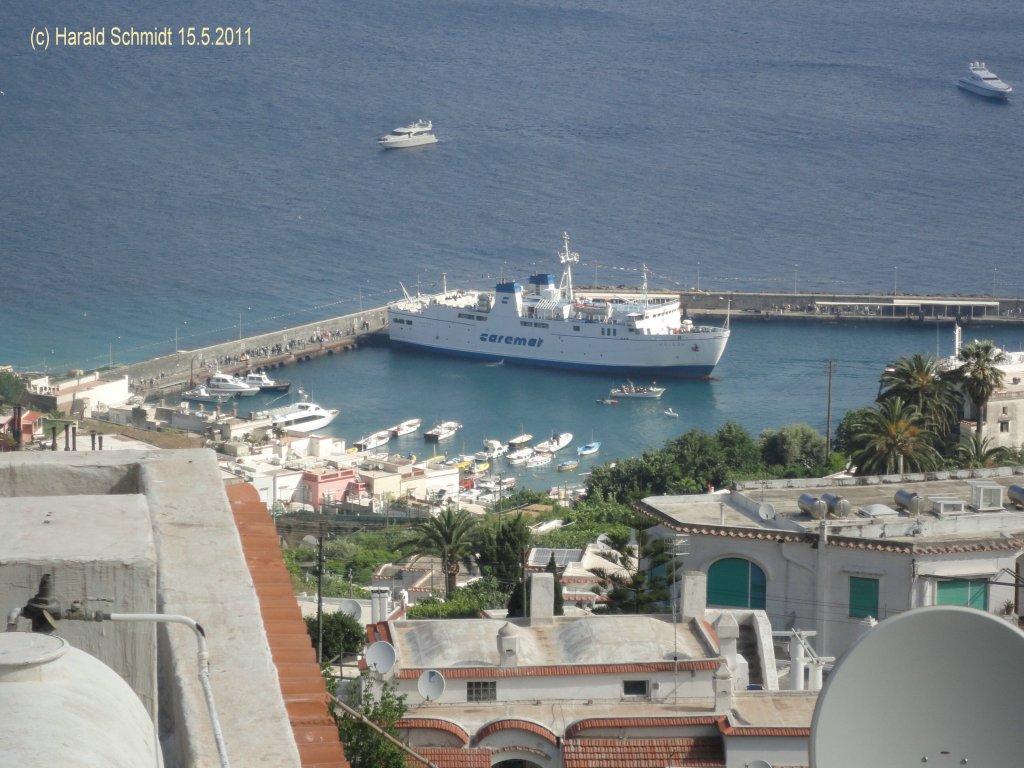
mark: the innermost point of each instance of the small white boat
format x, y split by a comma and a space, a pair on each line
226, 384
201, 394
413, 135
670, 412
982, 81
555, 443
519, 455
442, 431
538, 460
588, 449
492, 450
629, 389
265, 383
407, 427
376, 440
519, 440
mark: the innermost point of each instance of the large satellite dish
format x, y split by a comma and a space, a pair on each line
381, 656
766, 511
431, 685
936, 686
351, 608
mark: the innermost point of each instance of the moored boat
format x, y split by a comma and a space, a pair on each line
672, 413
201, 394
519, 455
538, 460
226, 384
407, 427
545, 323
555, 443
375, 440
442, 431
303, 416
589, 449
519, 440
265, 383
568, 465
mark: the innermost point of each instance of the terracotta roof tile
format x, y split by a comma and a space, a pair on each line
451, 757
517, 725
563, 669
641, 722
302, 686
434, 723
643, 753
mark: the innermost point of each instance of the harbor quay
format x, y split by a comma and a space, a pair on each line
835, 307
171, 374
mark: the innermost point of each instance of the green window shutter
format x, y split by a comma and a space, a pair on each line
953, 592
978, 594
729, 583
863, 597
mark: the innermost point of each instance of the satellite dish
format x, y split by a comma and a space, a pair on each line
351, 608
766, 512
759, 764
431, 685
381, 656
910, 685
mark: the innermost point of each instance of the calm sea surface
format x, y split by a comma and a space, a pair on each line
159, 192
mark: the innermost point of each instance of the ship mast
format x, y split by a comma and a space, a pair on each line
568, 258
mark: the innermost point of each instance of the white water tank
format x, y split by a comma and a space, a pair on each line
837, 505
812, 505
60, 705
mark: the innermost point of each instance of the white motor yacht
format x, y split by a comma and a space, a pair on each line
226, 384
413, 135
304, 416
983, 82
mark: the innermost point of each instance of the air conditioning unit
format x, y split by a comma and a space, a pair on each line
946, 505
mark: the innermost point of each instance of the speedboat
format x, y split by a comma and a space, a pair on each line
303, 416
413, 135
983, 82
670, 412
226, 384
265, 383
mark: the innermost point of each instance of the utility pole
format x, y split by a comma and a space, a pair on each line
320, 596
830, 367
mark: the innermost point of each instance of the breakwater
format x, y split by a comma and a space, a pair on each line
171, 374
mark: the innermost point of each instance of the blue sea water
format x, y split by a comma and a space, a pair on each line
193, 193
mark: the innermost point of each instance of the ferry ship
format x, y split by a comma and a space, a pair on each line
545, 323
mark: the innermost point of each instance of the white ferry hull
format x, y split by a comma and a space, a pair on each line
693, 354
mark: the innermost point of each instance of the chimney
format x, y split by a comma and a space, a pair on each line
508, 646
728, 631
542, 599
378, 604
693, 595
723, 689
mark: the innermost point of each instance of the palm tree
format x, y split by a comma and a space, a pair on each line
978, 451
979, 375
892, 438
919, 382
450, 536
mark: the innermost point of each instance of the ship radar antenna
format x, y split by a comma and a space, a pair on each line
568, 258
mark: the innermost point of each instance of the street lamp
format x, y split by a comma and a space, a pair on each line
698, 277
895, 274
795, 273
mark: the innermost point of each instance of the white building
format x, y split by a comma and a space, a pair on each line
827, 555
596, 690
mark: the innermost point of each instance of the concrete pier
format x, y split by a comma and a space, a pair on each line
171, 374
